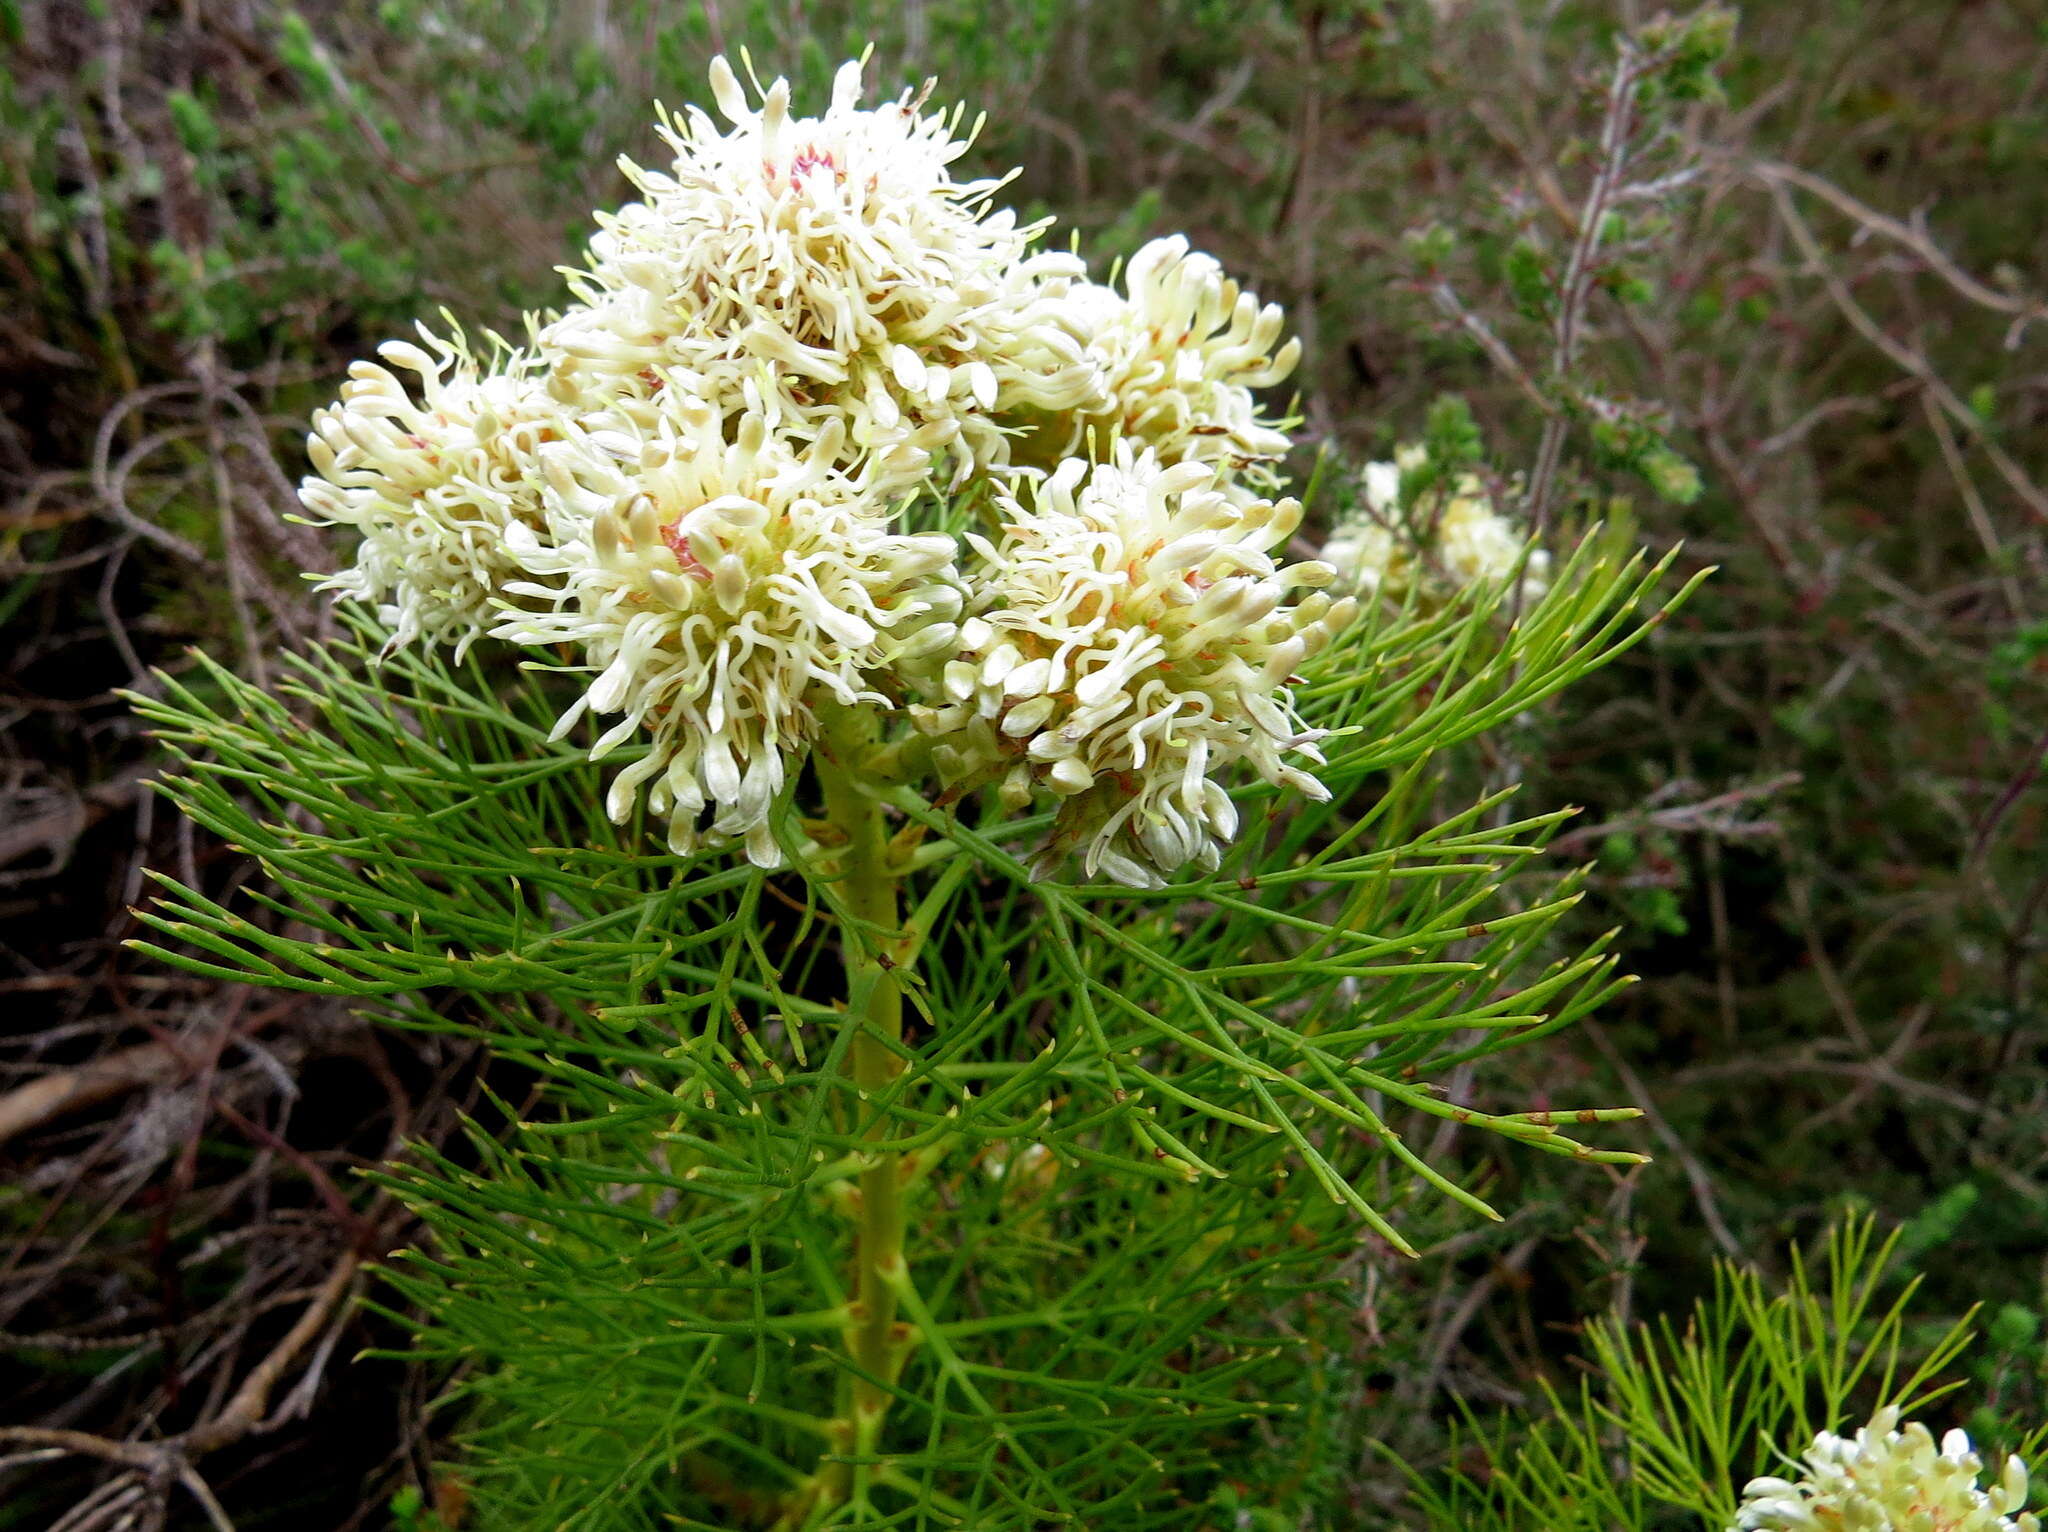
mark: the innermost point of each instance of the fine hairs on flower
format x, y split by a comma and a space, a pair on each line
729, 479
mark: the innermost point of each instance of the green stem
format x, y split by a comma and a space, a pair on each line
874, 947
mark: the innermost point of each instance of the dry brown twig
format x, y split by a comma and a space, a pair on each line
1725, 815
1905, 357
1696, 1174
1575, 290
28, 1107
153, 1466
2025, 310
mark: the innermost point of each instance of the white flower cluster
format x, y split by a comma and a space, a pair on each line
1441, 545
1176, 357
707, 477
715, 587
440, 489
1889, 1478
823, 270
1131, 635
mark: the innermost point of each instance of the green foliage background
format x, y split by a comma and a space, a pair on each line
1812, 805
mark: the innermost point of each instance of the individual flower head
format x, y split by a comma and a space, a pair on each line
1475, 542
1370, 559
1133, 641
1889, 1478
440, 487
1443, 544
718, 589
1179, 353
823, 268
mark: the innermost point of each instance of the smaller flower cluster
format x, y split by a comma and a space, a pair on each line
1889, 1478
1135, 635
1177, 355
1443, 543
441, 489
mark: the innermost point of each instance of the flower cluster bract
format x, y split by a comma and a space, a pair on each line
729, 480
1889, 1478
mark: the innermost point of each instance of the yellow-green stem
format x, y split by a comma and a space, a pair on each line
872, 944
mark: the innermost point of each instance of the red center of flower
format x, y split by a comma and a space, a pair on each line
679, 545
808, 161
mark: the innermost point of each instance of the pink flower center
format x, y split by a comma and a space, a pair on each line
679, 545
808, 161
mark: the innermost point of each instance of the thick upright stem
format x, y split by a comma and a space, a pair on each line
873, 946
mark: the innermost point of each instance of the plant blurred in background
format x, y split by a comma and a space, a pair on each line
1813, 801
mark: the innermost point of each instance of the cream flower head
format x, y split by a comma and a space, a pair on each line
718, 588
1133, 640
1475, 543
1889, 1478
1446, 544
1179, 352
819, 269
436, 486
